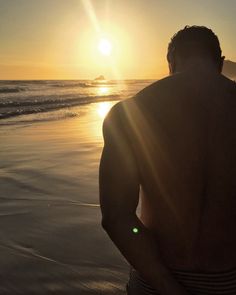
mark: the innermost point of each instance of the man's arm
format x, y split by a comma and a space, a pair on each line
119, 195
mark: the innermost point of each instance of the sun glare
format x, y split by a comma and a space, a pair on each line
105, 47
103, 90
103, 109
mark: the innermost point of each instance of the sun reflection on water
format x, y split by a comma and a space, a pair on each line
103, 90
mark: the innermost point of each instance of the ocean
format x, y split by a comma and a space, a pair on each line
43, 100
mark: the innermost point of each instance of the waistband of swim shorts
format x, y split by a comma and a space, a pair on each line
221, 283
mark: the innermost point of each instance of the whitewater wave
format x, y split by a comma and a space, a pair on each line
12, 89
17, 108
74, 85
33, 98
42, 117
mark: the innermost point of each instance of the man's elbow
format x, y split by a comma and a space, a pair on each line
108, 222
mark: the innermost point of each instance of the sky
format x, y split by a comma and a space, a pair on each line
59, 39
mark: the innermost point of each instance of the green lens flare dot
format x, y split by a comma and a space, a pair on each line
135, 230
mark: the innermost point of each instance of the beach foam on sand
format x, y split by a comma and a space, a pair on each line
51, 240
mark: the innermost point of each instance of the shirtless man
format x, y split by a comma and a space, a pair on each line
173, 146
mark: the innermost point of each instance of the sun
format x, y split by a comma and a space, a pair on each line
105, 47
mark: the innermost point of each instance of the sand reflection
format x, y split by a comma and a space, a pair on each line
100, 110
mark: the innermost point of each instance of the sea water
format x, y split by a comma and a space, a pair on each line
43, 100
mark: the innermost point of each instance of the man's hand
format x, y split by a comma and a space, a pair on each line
172, 287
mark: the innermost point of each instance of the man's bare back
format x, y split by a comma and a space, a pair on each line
174, 144
182, 131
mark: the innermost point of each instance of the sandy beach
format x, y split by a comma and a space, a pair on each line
51, 238
63, 65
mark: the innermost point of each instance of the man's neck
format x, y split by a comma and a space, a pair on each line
197, 65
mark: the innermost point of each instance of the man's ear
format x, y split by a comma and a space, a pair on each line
221, 64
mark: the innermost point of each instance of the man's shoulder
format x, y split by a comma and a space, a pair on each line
131, 105
158, 87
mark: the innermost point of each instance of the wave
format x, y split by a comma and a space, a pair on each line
71, 85
51, 117
52, 101
12, 89
35, 97
89, 84
37, 85
18, 108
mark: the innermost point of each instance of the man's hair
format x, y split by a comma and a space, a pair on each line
194, 41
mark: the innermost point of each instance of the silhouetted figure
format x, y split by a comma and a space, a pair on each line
174, 146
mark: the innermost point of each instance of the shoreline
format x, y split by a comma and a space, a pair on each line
51, 238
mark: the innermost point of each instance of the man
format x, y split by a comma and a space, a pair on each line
174, 145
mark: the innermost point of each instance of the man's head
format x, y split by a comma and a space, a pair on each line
192, 45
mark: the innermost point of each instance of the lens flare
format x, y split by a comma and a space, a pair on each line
135, 230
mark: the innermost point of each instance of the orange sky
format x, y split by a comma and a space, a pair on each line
58, 39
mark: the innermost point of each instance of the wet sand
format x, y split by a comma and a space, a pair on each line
51, 240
